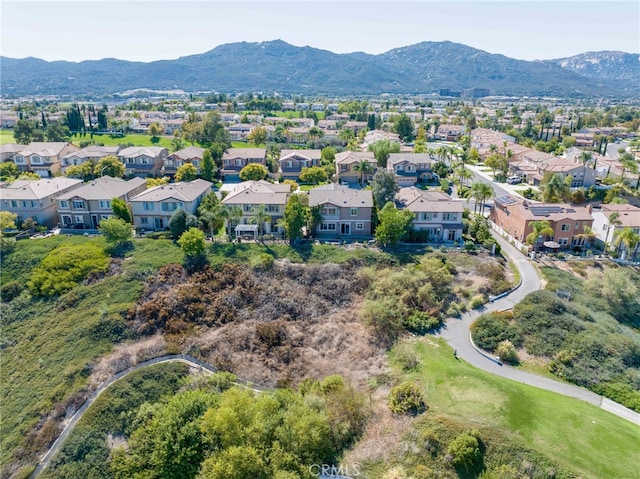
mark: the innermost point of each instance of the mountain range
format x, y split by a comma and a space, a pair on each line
276, 66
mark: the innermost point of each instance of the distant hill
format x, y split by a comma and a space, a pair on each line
276, 66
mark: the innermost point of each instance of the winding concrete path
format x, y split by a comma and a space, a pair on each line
183, 358
457, 333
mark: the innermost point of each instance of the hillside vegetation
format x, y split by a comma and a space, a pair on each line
592, 340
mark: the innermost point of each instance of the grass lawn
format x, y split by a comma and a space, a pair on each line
296, 114
578, 436
6, 136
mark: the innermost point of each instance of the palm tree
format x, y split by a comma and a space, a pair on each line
481, 192
588, 236
614, 220
540, 228
465, 175
260, 217
212, 219
230, 214
628, 238
555, 190
364, 167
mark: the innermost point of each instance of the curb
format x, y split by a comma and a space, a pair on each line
484, 353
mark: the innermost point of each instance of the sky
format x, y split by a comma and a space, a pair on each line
151, 30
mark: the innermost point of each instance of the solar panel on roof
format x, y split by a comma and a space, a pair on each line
545, 210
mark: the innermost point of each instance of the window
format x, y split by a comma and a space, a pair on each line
343, 167
563, 241
353, 211
425, 216
105, 204
77, 204
172, 205
565, 227
64, 204
144, 161
359, 226
226, 162
449, 216
273, 208
577, 225
19, 159
238, 162
14, 204
131, 161
329, 211
34, 204
36, 160
289, 164
144, 220
327, 226
25, 204
147, 206
79, 219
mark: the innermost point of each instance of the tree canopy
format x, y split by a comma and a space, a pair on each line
253, 171
381, 150
394, 224
385, 186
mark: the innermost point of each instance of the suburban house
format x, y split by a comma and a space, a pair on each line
249, 196
234, 159
86, 206
347, 171
345, 212
90, 153
515, 216
292, 161
448, 132
411, 168
37, 199
43, 158
153, 208
612, 218
143, 161
8, 150
374, 136
190, 154
434, 211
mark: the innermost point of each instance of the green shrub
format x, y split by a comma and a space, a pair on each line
420, 322
159, 235
407, 357
263, 262
507, 352
465, 451
490, 329
407, 399
10, 290
65, 266
477, 301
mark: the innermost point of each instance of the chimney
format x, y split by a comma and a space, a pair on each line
589, 208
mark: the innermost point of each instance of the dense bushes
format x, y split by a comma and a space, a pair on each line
492, 328
465, 450
238, 433
65, 266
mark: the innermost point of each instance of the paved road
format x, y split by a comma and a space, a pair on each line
190, 360
456, 333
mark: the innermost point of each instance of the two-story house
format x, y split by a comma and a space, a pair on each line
348, 165
515, 217
37, 199
345, 212
411, 168
86, 206
449, 132
190, 154
152, 209
250, 195
143, 161
92, 153
292, 161
43, 158
610, 219
234, 159
433, 211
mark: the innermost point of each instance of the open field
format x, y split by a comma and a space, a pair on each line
580, 437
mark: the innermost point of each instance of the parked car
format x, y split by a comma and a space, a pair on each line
514, 180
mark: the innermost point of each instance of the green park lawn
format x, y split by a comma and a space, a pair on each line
579, 436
